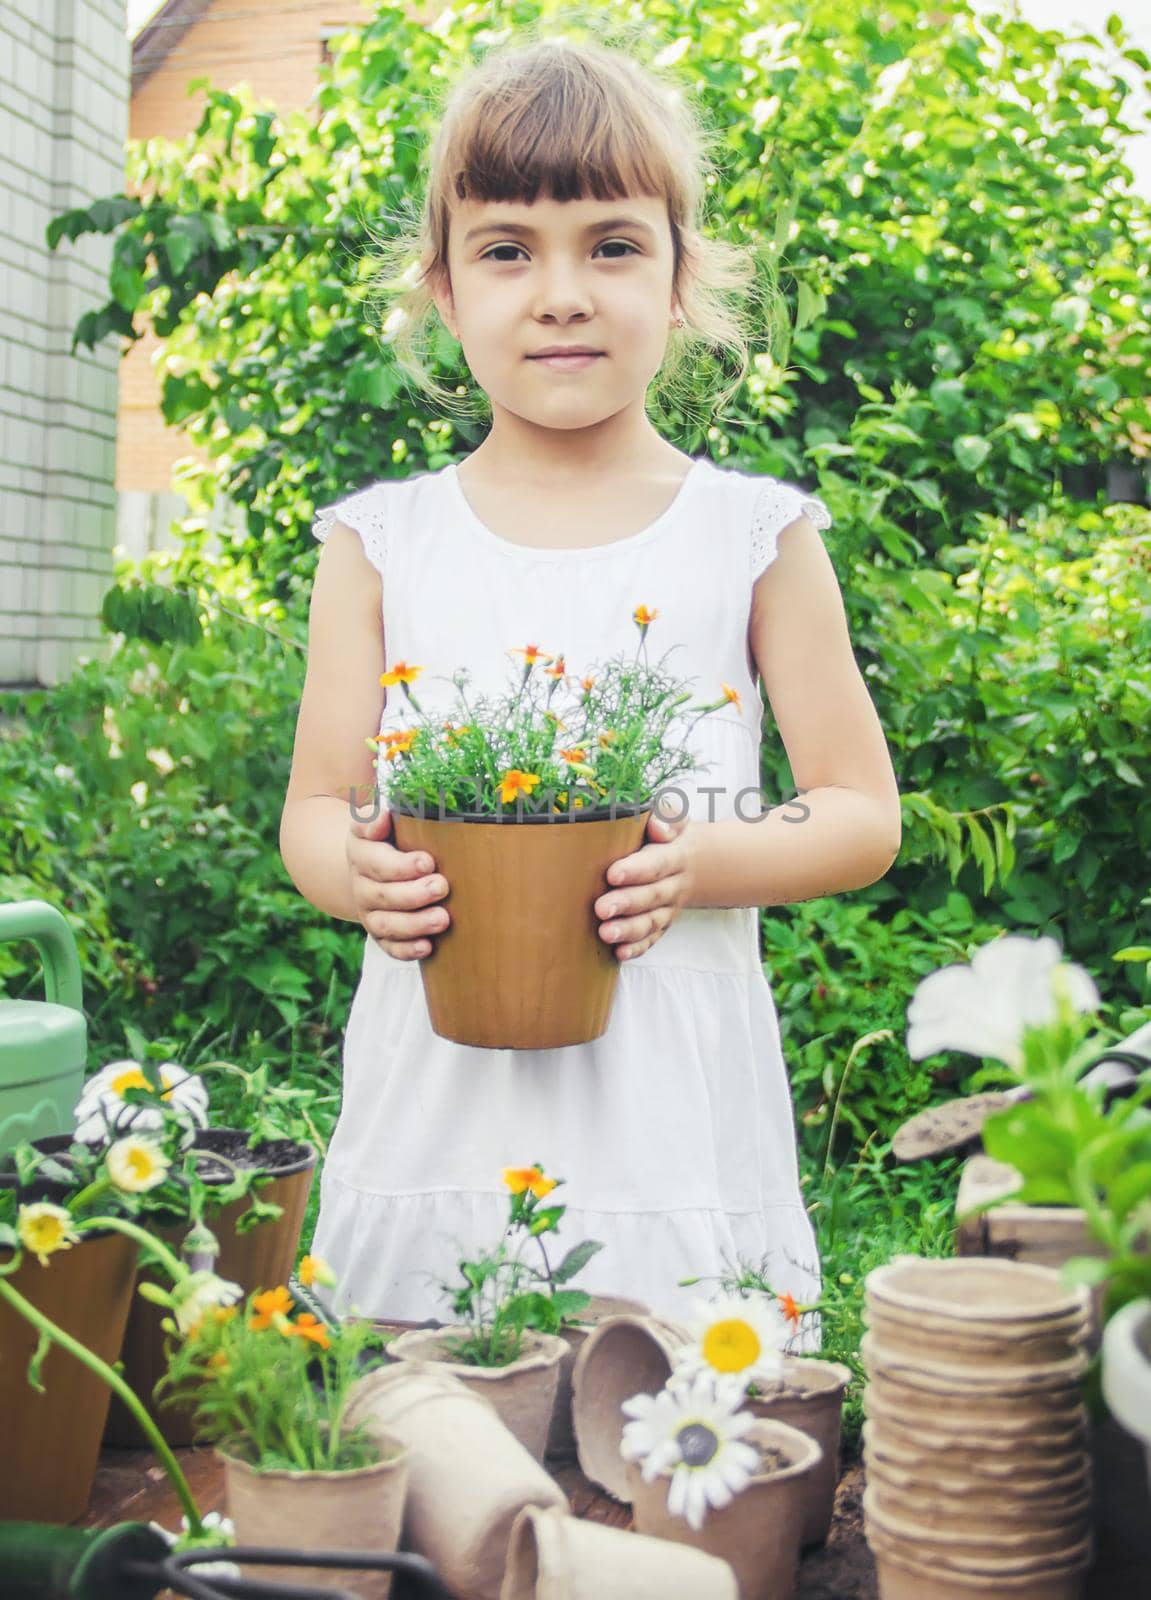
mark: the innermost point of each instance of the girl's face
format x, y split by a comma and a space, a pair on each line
592, 273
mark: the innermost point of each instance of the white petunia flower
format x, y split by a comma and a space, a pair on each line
739, 1341
136, 1164
983, 1009
195, 1295
102, 1113
694, 1433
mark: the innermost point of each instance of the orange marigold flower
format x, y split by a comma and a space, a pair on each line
401, 744
314, 1269
791, 1310
643, 616
219, 1360
732, 695
515, 782
531, 654
400, 673
576, 753
268, 1305
309, 1327
557, 670
587, 684
520, 1178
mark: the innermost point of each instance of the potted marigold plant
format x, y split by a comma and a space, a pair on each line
507, 1344
269, 1385
575, 765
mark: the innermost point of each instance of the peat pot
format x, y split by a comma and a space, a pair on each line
521, 965
809, 1396
561, 1446
554, 1556
624, 1356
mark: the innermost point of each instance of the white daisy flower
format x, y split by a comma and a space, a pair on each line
102, 1112
693, 1432
218, 1529
738, 1341
136, 1165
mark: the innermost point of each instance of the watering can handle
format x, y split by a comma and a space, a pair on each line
44, 925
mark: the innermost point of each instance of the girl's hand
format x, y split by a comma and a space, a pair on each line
649, 889
392, 889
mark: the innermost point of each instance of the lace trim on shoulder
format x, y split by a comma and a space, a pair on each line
777, 507
366, 513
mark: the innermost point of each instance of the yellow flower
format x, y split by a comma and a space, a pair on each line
313, 1269
643, 616
136, 1165
400, 673
514, 782
732, 696
520, 1178
272, 1304
44, 1228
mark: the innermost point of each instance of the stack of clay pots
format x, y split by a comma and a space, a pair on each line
975, 1444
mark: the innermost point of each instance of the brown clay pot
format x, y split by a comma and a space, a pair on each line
554, 1556
258, 1259
758, 1533
523, 1392
809, 1396
50, 1442
468, 1475
539, 977
561, 1445
360, 1509
625, 1355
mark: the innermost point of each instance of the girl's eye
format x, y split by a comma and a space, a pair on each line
491, 254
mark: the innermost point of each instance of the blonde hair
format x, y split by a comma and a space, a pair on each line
567, 120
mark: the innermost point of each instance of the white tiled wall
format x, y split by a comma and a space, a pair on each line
63, 122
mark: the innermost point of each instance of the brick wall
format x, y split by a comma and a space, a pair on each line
276, 46
63, 120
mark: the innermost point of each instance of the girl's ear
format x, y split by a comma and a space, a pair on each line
442, 294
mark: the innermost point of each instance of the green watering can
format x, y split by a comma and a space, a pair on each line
43, 1043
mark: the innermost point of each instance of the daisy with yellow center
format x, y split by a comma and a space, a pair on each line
515, 782
102, 1111
44, 1228
136, 1165
692, 1434
738, 1341
520, 1178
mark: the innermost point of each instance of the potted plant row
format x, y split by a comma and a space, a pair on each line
526, 800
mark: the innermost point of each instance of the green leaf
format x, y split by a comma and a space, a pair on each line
575, 1260
971, 451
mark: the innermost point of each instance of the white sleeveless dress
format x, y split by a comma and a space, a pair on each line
674, 1130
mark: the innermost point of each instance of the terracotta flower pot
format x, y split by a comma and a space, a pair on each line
758, 1533
561, 1445
809, 1396
539, 977
50, 1442
625, 1355
523, 1392
360, 1509
468, 1476
258, 1259
554, 1556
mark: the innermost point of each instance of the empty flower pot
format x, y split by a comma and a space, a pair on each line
758, 1533
358, 1509
625, 1355
943, 1339
977, 1293
809, 1396
468, 1475
523, 1392
538, 976
561, 1445
554, 1556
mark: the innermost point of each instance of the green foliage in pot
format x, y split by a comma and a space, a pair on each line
606, 741
502, 1294
269, 1383
1020, 1004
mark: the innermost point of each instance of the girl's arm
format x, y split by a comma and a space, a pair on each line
844, 829
339, 709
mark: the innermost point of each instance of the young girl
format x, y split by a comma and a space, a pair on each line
561, 248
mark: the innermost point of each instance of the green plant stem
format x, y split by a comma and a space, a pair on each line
116, 1383
130, 1230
